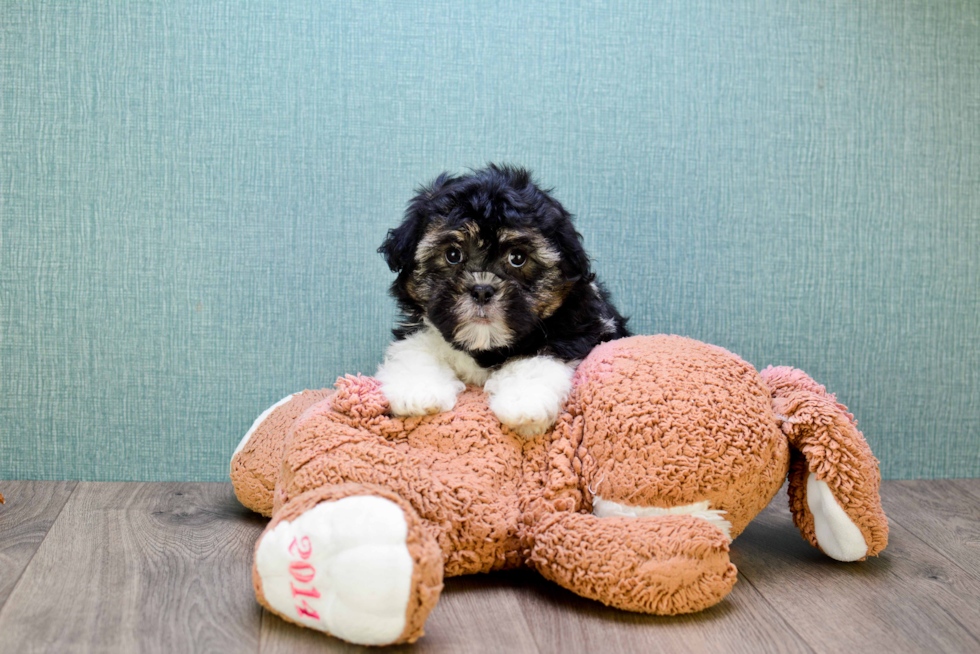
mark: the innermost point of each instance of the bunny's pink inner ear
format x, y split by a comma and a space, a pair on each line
359, 396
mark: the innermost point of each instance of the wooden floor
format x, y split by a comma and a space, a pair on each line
127, 567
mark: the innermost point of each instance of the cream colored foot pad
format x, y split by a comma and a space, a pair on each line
341, 567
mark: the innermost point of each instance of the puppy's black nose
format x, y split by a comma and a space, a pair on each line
482, 293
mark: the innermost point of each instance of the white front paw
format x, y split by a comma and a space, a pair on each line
527, 394
422, 396
527, 411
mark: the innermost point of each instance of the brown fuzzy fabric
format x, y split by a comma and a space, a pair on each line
652, 421
827, 442
669, 421
426, 573
459, 470
255, 469
665, 565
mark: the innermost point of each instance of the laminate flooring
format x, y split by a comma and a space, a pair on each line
166, 567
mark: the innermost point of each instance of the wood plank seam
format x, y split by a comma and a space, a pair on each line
965, 486
531, 630
903, 537
743, 577
61, 510
952, 561
962, 626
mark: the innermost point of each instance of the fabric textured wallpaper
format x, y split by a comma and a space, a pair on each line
192, 194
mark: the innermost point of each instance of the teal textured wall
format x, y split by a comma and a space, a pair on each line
192, 194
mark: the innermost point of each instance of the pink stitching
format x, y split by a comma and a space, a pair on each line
307, 611
312, 592
309, 548
302, 577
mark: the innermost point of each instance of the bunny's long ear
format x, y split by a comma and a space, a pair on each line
833, 476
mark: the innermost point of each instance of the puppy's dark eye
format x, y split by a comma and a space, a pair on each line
517, 258
454, 255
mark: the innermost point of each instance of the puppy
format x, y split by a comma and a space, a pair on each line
495, 290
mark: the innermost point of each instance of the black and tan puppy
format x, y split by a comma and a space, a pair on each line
495, 290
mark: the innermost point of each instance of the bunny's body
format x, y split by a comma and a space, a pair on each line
666, 449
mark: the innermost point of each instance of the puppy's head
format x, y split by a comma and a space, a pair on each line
484, 257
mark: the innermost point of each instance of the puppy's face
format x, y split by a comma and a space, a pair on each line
484, 258
485, 288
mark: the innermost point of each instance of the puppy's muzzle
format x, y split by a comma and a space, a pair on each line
482, 293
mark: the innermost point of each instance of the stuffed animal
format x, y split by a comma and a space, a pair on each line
666, 448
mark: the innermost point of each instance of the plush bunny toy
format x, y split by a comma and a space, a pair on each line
667, 447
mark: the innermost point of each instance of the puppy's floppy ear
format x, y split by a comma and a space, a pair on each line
400, 243
574, 262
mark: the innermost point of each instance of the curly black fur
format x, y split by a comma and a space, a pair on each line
494, 198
